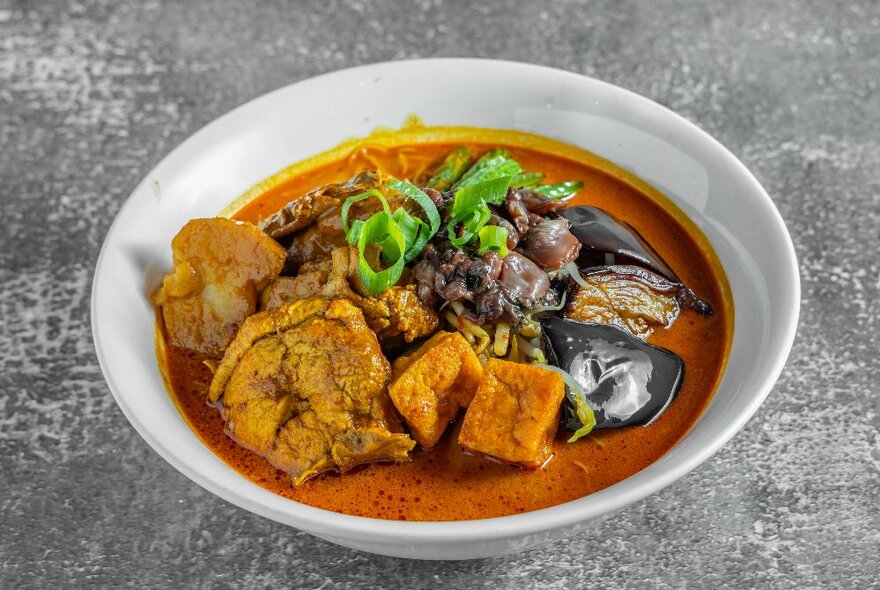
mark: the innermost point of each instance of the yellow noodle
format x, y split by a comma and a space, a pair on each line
477, 331
530, 328
502, 338
531, 350
514, 350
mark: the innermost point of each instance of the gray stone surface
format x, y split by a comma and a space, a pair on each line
92, 94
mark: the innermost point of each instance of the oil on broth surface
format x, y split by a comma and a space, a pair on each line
443, 483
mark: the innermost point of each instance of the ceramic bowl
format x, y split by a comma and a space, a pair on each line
221, 161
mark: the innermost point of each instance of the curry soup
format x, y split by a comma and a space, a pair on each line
443, 483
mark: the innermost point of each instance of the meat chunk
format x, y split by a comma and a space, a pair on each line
220, 266
431, 385
308, 283
302, 210
305, 385
550, 245
514, 414
628, 297
396, 315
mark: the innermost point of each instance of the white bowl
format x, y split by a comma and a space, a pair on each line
252, 142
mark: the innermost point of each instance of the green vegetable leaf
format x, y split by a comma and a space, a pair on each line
494, 164
451, 169
493, 238
560, 190
586, 416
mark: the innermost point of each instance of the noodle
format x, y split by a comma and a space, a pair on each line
518, 344
530, 328
502, 338
477, 332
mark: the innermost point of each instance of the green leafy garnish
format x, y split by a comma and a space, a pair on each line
400, 236
493, 238
470, 208
494, 164
470, 225
492, 191
586, 416
382, 230
451, 169
356, 199
526, 179
419, 196
559, 190
416, 232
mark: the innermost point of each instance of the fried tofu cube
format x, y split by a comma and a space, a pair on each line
514, 414
430, 385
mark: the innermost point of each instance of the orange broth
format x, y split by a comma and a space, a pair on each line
443, 483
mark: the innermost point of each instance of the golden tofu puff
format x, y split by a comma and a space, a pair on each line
514, 414
433, 383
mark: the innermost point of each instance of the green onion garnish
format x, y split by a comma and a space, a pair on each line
560, 190
357, 198
415, 231
451, 169
419, 196
471, 211
493, 238
471, 224
527, 179
494, 164
492, 191
400, 236
379, 229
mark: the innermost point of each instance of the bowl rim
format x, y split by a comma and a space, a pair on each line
605, 501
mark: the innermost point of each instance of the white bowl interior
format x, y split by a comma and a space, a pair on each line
227, 157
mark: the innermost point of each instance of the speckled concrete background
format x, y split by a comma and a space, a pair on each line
93, 94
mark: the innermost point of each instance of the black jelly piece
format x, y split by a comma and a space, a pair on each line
601, 233
627, 382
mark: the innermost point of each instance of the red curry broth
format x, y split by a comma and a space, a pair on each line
443, 483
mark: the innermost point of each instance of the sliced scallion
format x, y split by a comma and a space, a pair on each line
357, 198
382, 230
419, 196
493, 238
415, 233
492, 191
471, 224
